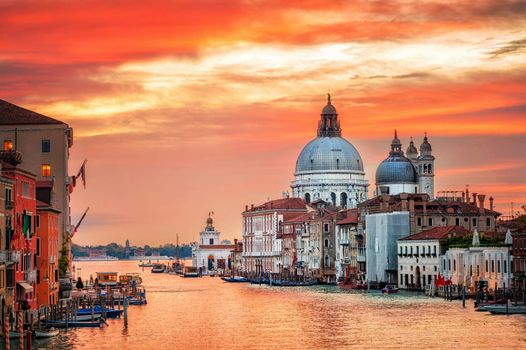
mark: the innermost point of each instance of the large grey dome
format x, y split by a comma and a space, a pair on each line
329, 153
396, 170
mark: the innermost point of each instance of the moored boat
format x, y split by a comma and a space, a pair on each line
190, 271
505, 309
73, 324
389, 289
235, 279
158, 268
49, 333
137, 301
97, 310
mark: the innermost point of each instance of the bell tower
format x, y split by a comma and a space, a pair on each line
426, 168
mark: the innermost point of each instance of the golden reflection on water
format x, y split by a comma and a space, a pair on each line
206, 313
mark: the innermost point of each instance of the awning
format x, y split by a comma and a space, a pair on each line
27, 287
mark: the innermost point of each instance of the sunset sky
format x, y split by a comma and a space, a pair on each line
186, 107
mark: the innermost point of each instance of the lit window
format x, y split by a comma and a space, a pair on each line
46, 146
8, 145
46, 170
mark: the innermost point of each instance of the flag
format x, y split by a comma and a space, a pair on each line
440, 281
82, 173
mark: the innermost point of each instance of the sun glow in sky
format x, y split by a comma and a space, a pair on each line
186, 107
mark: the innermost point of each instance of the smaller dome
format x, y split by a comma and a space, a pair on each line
411, 150
425, 147
396, 170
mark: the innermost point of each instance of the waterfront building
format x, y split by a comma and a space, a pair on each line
48, 252
419, 255
329, 167
465, 266
262, 230
382, 233
23, 238
210, 254
519, 258
237, 258
350, 247
8, 257
44, 143
426, 213
297, 227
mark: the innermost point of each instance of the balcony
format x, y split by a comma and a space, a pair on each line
30, 276
9, 256
9, 204
360, 258
344, 241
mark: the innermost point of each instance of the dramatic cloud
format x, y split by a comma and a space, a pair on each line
183, 107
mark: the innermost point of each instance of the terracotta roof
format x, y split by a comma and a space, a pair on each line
283, 203
440, 232
351, 217
11, 114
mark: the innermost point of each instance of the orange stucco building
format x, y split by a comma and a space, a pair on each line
47, 233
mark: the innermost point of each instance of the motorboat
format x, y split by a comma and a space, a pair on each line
505, 309
190, 271
389, 289
146, 264
158, 268
46, 333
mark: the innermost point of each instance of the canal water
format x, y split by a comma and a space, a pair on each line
206, 313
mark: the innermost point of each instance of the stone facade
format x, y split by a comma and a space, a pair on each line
210, 254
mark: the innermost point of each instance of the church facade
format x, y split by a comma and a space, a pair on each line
329, 167
210, 254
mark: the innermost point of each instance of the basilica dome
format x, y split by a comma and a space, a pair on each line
396, 169
329, 154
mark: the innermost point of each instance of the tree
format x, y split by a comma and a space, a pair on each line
63, 261
80, 284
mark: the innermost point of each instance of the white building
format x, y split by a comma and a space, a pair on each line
329, 167
382, 233
211, 254
419, 255
465, 266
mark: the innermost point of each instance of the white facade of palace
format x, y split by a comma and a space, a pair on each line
329, 167
210, 254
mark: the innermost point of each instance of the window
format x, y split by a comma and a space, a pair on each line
454, 265
457, 221
430, 221
419, 221
325, 228
498, 266
474, 221
326, 243
46, 170
487, 269
417, 250
488, 222
307, 197
505, 267
8, 145
46, 146
38, 246
492, 265
37, 221
211, 241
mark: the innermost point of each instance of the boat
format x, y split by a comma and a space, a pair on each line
87, 317
49, 333
505, 309
130, 279
235, 279
107, 279
348, 285
137, 301
389, 289
190, 271
74, 324
158, 268
146, 264
97, 310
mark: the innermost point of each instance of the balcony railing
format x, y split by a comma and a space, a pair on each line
9, 256
344, 241
30, 276
9, 204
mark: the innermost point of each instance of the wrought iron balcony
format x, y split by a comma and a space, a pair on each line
9, 256
11, 156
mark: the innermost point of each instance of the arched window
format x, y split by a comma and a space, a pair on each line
307, 197
326, 243
343, 200
488, 222
429, 169
333, 198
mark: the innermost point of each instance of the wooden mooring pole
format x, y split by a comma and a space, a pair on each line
6, 330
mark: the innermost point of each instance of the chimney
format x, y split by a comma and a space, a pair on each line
491, 203
467, 194
246, 207
235, 241
474, 198
251, 206
481, 198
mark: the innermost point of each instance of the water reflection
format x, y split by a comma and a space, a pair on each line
206, 313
